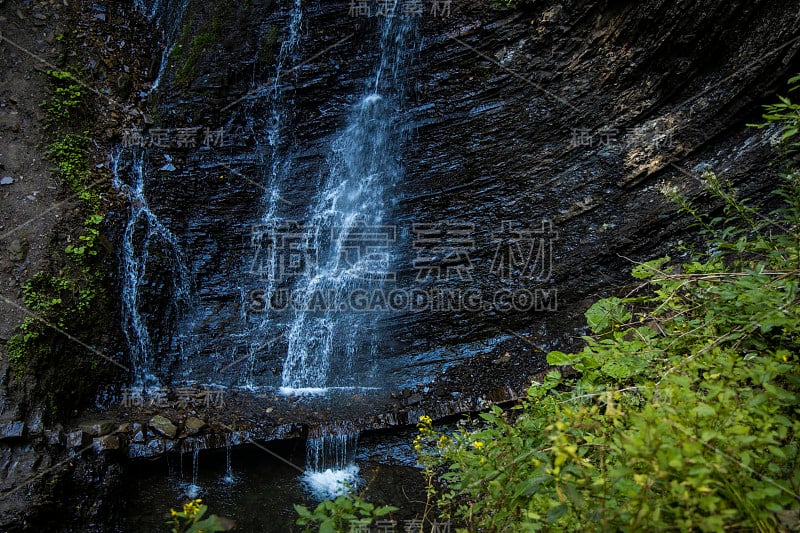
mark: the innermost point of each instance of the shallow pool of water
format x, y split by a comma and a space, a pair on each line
258, 486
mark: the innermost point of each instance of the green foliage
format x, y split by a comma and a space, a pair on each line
69, 300
190, 52
45, 293
21, 345
60, 301
87, 247
786, 113
70, 154
190, 520
345, 513
686, 411
199, 46
268, 47
67, 99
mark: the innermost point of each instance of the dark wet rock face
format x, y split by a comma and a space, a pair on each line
571, 113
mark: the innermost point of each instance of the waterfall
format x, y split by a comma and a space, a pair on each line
229, 477
195, 465
169, 18
349, 211
144, 234
330, 463
279, 165
193, 490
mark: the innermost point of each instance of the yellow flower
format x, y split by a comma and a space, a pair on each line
425, 419
192, 507
173, 512
477, 444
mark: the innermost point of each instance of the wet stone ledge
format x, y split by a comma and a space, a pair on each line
147, 432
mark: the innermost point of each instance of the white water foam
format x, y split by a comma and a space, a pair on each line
318, 391
331, 483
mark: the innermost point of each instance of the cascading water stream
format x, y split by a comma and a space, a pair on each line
168, 15
330, 463
351, 201
229, 477
193, 490
144, 232
279, 167
349, 209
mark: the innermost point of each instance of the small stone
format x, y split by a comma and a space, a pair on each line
502, 360
193, 425
151, 449
18, 249
413, 399
139, 433
163, 426
8, 180
156, 447
12, 430
76, 439
107, 443
98, 428
53, 436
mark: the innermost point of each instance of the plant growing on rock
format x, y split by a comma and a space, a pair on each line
67, 99
686, 411
69, 297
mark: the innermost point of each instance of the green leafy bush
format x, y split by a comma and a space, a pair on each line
345, 513
685, 414
787, 113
